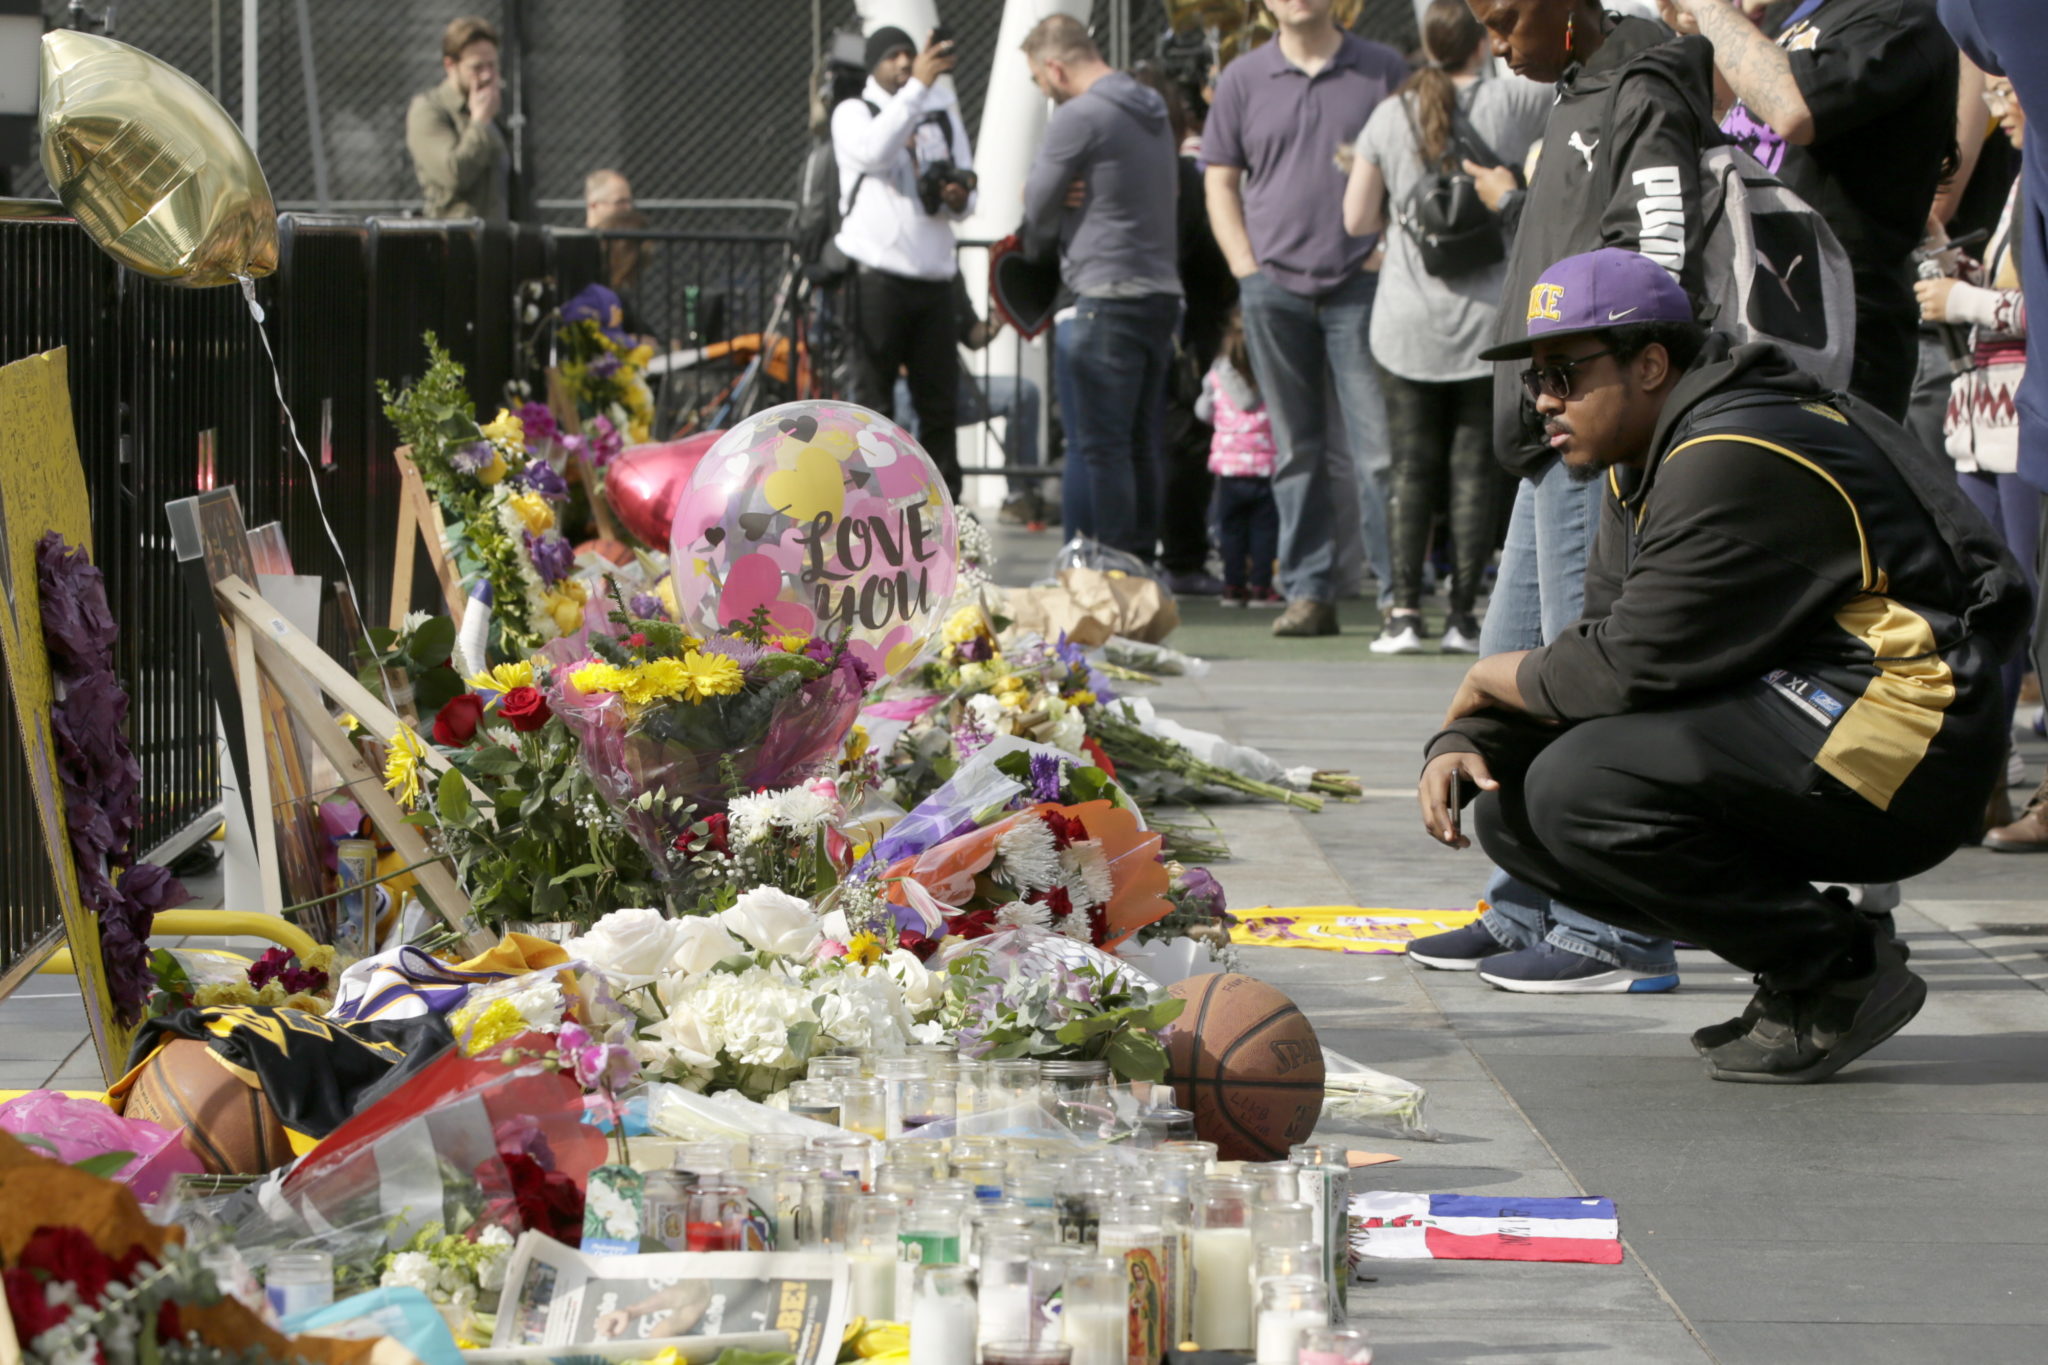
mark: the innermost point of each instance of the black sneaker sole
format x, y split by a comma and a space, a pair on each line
1888, 1010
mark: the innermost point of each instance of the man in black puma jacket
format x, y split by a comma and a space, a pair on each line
1787, 671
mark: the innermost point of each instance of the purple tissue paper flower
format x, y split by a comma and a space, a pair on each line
540, 477
552, 556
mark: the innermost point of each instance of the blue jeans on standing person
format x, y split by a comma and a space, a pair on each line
1297, 345
1247, 530
983, 398
2013, 507
1110, 366
1539, 590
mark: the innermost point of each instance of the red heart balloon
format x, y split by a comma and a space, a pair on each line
645, 483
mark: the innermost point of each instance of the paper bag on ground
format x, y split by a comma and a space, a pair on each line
1089, 606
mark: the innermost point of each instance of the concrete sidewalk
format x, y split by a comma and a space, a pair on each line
1895, 1214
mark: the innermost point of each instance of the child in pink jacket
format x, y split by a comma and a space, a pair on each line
1241, 456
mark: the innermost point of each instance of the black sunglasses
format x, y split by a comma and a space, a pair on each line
1555, 378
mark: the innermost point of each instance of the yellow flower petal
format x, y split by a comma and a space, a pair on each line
402, 766
502, 678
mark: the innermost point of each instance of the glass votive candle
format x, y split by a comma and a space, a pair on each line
966, 1077
1034, 1188
296, 1281
1274, 1260
852, 1155
933, 1057
942, 1316
873, 1252
1050, 1266
1011, 1081
988, 1174
702, 1158
718, 1214
902, 1181
1027, 1353
926, 1100
1165, 1124
933, 1227
773, 1150
1205, 1150
863, 1107
1335, 1346
1095, 1317
1279, 1182
760, 1184
894, 1073
834, 1067
1222, 1241
1288, 1308
815, 1100
1003, 1273
828, 1207
1288, 1224
924, 1155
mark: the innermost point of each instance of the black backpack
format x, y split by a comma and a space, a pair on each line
1453, 230
815, 225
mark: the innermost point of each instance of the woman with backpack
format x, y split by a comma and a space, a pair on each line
1439, 293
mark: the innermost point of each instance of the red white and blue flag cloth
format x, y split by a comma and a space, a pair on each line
1460, 1227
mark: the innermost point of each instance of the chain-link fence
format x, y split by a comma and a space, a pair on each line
703, 105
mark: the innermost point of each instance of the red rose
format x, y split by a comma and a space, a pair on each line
456, 725
67, 1255
526, 708
29, 1306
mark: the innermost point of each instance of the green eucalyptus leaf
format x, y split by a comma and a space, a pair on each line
451, 797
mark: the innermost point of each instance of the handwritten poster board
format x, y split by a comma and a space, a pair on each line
42, 489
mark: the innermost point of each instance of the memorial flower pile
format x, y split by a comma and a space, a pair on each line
604, 368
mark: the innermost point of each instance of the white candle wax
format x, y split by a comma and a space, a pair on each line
1280, 1334
871, 1282
1223, 1300
1099, 1333
941, 1330
1005, 1312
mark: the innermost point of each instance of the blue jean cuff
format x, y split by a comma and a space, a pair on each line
1560, 938
1505, 930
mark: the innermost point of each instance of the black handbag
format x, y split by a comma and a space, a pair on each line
1453, 230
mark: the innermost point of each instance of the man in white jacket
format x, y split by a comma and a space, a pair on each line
905, 176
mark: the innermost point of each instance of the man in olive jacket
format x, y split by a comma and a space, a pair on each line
451, 131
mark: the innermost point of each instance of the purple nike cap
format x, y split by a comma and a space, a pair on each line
1592, 292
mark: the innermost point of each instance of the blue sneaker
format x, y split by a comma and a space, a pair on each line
1546, 969
1458, 950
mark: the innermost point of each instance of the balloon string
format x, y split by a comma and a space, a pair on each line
312, 474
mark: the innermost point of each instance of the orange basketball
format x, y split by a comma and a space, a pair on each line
229, 1126
1243, 1058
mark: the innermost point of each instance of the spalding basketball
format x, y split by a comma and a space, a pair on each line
1243, 1058
229, 1126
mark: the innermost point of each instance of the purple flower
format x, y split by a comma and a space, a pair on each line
647, 607
857, 669
1196, 889
540, 477
1070, 653
573, 446
743, 652
607, 1067
974, 651
604, 366
1048, 775
552, 556
473, 458
605, 441
538, 422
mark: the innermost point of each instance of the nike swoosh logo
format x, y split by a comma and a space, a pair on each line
1616, 317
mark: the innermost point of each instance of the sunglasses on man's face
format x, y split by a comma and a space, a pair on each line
1555, 378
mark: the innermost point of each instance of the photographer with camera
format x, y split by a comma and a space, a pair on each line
905, 169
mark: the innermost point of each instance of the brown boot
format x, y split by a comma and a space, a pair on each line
2029, 833
1306, 616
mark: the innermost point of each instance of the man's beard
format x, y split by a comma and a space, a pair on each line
1582, 473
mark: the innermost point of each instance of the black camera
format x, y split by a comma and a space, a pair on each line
936, 177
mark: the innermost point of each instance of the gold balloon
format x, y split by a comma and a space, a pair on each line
151, 166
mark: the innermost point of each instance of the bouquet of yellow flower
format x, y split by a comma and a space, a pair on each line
672, 727
603, 367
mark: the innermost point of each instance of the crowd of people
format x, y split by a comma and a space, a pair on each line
1299, 298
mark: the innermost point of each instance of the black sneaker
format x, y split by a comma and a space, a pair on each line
1800, 1037
1719, 1035
1458, 950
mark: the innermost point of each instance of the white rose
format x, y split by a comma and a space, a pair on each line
633, 945
921, 988
683, 1038
701, 944
773, 921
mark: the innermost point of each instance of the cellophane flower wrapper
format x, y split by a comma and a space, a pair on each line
779, 733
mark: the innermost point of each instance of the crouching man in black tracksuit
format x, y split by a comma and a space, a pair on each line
1787, 670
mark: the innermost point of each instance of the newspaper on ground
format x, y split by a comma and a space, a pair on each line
558, 1297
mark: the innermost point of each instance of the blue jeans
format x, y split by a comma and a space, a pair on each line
1011, 397
1541, 589
1110, 362
1297, 346
1247, 530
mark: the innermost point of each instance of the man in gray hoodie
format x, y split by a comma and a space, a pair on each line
1103, 189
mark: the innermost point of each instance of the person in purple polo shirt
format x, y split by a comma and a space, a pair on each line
1276, 202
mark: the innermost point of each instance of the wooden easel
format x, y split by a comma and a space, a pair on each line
266, 646
419, 519
571, 421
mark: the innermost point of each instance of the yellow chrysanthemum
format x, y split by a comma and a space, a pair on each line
639, 430
348, 723
225, 993
495, 1023
658, 680
963, 625
532, 509
601, 677
493, 473
506, 429
319, 958
402, 766
713, 675
503, 678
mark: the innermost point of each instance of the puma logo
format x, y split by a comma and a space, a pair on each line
1783, 277
1578, 143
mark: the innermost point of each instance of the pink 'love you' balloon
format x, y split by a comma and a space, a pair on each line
829, 516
